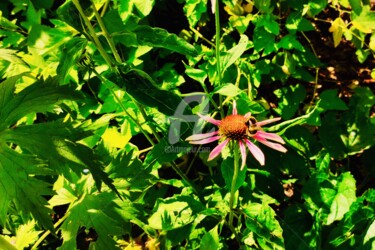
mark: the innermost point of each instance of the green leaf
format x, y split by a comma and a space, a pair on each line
38, 97
211, 240
144, 35
193, 10
5, 244
71, 51
53, 142
69, 14
290, 99
345, 196
144, 7
95, 211
232, 55
337, 28
365, 21
175, 212
290, 42
295, 22
331, 197
264, 40
56, 142
18, 186
269, 24
267, 230
142, 88
227, 90
355, 223
356, 6
227, 171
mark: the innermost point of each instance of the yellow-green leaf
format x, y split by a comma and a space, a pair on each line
337, 28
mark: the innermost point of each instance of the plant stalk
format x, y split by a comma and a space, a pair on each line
233, 185
94, 36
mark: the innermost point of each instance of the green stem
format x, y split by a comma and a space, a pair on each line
233, 185
104, 81
106, 34
56, 225
217, 50
94, 36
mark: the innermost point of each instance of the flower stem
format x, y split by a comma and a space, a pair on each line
233, 186
217, 49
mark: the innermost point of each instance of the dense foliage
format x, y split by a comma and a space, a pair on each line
97, 98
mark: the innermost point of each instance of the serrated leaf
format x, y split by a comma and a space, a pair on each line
38, 97
71, 51
176, 212
16, 185
337, 28
211, 240
5, 244
54, 142
95, 211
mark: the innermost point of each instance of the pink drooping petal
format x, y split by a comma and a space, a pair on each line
207, 140
213, 5
256, 152
201, 136
243, 154
247, 115
234, 108
209, 119
217, 150
270, 136
265, 122
272, 145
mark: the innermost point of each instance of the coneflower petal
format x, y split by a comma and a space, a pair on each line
234, 108
269, 136
207, 140
210, 120
265, 122
247, 115
217, 150
201, 136
256, 152
272, 145
243, 154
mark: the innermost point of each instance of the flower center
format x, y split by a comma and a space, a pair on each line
234, 127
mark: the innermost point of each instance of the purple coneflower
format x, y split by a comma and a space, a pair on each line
239, 128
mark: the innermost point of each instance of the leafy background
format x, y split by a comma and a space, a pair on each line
88, 98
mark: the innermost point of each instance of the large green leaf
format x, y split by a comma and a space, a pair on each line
18, 186
140, 85
260, 219
54, 143
71, 51
174, 212
95, 211
144, 35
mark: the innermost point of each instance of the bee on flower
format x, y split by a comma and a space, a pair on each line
240, 129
